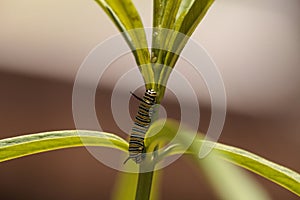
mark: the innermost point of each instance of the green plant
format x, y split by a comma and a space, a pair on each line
182, 17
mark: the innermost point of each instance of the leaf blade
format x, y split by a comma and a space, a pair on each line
281, 175
128, 21
20, 146
189, 15
229, 181
168, 130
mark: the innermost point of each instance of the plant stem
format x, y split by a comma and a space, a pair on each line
143, 190
146, 169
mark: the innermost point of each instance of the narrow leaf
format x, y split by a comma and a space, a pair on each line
173, 23
20, 146
164, 17
125, 186
162, 133
229, 181
190, 14
128, 21
281, 175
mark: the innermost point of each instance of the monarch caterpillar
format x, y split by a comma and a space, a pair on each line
141, 125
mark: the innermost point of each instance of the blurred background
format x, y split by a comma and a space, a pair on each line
255, 44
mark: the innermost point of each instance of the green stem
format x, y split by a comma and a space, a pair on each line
146, 170
143, 190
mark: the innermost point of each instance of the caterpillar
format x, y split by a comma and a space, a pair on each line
141, 125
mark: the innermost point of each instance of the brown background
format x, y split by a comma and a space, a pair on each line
29, 104
254, 43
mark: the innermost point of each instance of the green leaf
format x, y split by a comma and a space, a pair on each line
173, 23
189, 15
219, 172
128, 21
281, 175
164, 16
125, 186
229, 181
186, 142
20, 146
